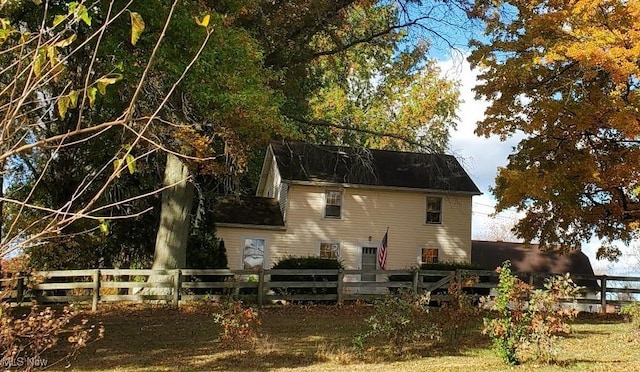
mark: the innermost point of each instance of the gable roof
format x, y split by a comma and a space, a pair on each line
303, 162
530, 259
248, 210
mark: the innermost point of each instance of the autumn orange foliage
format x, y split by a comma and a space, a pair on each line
565, 74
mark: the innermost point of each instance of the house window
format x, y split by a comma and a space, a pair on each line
434, 209
253, 254
330, 250
333, 207
429, 255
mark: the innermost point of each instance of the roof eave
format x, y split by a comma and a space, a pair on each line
269, 158
376, 187
250, 226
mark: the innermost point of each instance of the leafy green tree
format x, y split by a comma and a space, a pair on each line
140, 97
202, 119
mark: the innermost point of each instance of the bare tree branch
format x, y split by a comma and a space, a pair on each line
328, 124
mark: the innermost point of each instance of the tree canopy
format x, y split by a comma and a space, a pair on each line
98, 101
565, 74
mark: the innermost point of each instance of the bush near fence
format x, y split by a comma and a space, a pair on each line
307, 263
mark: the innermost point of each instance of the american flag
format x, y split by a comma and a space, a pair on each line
382, 251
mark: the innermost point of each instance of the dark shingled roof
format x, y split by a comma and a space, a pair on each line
249, 210
337, 164
530, 259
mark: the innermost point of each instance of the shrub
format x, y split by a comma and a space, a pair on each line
632, 311
310, 263
205, 251
399, 319
458, 315
239, 324
527, 319
439, 266
24, 339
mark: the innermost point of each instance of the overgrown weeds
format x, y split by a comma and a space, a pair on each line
24, 338
400, 319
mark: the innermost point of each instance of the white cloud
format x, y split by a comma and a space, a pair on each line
480, 156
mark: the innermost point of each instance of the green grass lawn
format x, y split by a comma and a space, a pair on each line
318, 338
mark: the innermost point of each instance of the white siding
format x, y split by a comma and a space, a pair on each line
365, 217
283, 199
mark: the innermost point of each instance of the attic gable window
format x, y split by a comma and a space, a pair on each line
434, 210
333, 206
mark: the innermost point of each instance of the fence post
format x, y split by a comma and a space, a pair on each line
340, 286
260, 287
177, 283
96, 290
20, 289
416, 277
603, 294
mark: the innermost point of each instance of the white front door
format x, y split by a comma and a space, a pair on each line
369, 262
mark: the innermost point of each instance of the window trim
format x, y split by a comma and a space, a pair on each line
330, 242
427, 211
429, 247
326, 203
264, 251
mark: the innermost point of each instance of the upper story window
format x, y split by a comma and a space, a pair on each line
333, 206
330, 250
429, 255
434, 210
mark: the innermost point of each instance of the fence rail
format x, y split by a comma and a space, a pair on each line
172, 286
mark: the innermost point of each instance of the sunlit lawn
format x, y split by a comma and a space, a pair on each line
318, 338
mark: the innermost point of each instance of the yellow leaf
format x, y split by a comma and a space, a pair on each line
137, 26
52, 53
37, 2
73, 97
63, 105
204, 22
4, 35
66, 42
116, 166
91, 94
104, 226
58, 19
82, 13
39, 61
131, 163
106, 80
24, 37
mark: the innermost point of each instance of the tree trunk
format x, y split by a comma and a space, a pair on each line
173, 232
